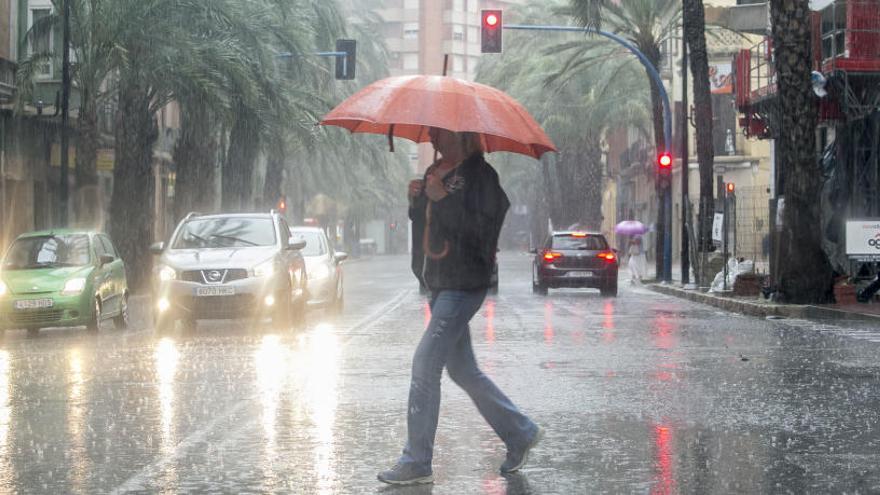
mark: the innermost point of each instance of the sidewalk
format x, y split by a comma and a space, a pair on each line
762, 308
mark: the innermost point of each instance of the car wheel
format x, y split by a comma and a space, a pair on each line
95, 322
164, 323
282, 316
120, 321
537, 286
609, 290
338, 301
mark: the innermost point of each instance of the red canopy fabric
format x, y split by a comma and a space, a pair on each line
407, 106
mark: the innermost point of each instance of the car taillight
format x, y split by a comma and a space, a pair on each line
551, 256
608, 256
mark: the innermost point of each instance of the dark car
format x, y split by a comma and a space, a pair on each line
575, 259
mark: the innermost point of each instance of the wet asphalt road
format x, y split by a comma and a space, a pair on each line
639, 394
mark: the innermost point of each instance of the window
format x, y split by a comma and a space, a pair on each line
580, 242
458, 63
411, 31
458, 33
458, 5
108, 246
315, 245
42, 42
48, 251
410, 61
285, 232
225, 233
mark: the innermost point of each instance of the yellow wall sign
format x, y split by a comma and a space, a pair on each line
104, 161
55, 157
106, 157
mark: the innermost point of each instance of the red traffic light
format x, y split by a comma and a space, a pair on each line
731, 188
664, 160
491, 29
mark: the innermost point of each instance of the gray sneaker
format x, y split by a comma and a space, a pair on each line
517, 458
406, 474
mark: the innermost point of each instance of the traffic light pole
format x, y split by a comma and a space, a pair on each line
665, 213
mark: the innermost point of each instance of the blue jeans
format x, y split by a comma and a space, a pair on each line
447, 342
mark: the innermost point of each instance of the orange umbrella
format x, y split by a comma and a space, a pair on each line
408, 106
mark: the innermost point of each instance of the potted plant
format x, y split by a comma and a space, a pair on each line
844, 291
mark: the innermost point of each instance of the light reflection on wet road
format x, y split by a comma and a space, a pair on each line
643, 394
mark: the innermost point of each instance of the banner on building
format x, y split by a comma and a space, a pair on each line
721, 77
863, 240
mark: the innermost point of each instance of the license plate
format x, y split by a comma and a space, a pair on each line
215, 291
579, 274
34, 303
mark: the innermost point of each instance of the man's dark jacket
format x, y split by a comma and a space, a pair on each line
467, 221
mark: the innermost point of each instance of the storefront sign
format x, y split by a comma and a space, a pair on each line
863, 240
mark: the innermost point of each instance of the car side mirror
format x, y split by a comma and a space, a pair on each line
296, 244
157, 248
340, 256
106, 259
615, 250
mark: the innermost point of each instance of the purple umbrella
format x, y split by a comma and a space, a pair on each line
630, 227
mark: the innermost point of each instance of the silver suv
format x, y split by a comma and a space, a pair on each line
229, 266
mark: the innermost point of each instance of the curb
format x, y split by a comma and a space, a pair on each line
764, 310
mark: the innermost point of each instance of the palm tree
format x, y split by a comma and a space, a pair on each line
560, 94
93, 37
804, 272
181, 48
695, 34
646, 24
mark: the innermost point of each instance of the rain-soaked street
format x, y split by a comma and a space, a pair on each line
640, 394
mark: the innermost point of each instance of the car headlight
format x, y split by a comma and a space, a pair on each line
3, 288
319, 271
167, 273
266, 269
73, 286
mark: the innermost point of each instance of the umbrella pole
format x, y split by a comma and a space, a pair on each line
391, 138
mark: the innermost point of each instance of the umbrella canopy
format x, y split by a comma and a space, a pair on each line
408, 106
630, 227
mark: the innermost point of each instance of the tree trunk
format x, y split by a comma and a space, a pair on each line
652, 52
238, 170
195, 156
804, 271
589, 183
695, 22
273, 187
131, 224
87, 199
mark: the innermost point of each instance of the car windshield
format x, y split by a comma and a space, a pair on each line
314, 246
47, 252
579, 242
229, 232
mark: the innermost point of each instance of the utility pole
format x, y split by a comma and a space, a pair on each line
65, 113
685, 166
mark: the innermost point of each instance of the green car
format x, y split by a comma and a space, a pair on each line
62, 278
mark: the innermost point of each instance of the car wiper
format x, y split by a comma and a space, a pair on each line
234, 239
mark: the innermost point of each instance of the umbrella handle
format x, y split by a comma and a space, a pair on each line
426, 244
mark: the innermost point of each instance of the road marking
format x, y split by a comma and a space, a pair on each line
140, 479
149, 472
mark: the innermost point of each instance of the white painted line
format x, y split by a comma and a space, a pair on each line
137, 482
